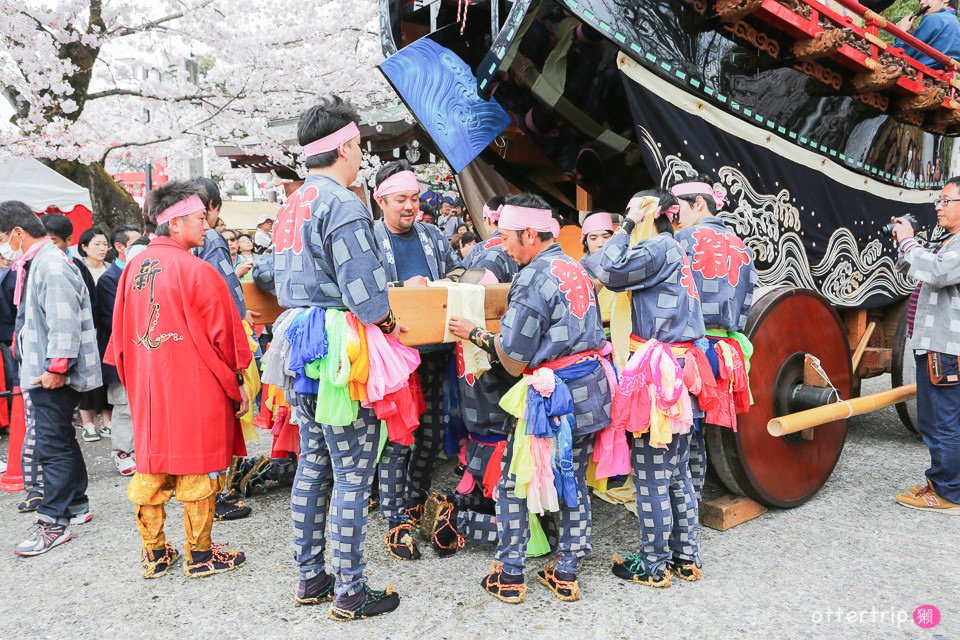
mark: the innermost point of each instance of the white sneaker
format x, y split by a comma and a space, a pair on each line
90, 433
81, 518
125, 462
105, 431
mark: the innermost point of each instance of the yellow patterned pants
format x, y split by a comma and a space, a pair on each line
198, 494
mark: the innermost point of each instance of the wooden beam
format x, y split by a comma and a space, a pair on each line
864, 340
584, 199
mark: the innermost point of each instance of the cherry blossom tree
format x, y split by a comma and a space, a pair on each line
219, 70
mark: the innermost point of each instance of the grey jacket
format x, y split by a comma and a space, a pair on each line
937, 323
55, 321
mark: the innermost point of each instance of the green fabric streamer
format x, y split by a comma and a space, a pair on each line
383, 440
537, 545
334, 406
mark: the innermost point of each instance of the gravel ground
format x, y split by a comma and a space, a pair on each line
849, 564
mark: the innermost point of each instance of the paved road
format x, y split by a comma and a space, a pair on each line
849, 564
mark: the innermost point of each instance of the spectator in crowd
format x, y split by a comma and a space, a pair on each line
121, 426
221, 226
448, 220
56, 366
461, 228
263, 238
931, 326
463, 243
245, 248
242, 265
93, 403
938, 28
93, 247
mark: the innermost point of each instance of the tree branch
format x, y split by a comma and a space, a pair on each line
153, 24
103, 158
132, 92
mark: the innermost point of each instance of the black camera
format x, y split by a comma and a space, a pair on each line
888, 228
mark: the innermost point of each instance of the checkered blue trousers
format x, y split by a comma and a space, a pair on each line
32, 470
344, 459
666, 502
513, 517
428, 438
698, 458
392, 476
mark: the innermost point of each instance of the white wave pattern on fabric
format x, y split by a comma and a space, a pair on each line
847, 275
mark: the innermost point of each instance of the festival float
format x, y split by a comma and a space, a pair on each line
809, 113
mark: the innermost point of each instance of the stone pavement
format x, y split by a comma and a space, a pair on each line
849, 564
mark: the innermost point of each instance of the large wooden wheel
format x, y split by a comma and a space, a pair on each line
903, 370
785, 324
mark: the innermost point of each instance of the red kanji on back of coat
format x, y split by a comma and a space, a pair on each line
719, 255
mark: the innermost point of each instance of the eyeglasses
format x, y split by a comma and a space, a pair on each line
942, 202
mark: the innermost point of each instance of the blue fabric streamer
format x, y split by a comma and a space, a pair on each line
308, 342
553, 417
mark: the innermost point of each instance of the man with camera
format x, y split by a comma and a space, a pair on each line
933, 324
938, 28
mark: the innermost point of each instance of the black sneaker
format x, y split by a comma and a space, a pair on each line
631, 569
315, 590
400, 542
217, 560
563, 585
156, 563
31, 502
230, 510
684, 569
45, 536
372, 603
503, 586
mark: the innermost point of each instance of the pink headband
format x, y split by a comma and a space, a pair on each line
699, 189
596, 222
332, 141
492, 214
397, 183
519, 218
180, 209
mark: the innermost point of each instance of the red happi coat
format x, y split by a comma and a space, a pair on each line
176, 343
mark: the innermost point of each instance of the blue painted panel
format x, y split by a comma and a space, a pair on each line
441, 91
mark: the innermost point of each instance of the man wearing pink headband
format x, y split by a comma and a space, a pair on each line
596, 230
725, 275
413, 254
179, 347
325, 256
666, 321
490, 254
552, 325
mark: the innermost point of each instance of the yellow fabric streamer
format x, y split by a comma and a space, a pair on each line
514, 402
622, 304
251, 383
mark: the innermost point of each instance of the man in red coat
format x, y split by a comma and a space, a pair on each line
179, 346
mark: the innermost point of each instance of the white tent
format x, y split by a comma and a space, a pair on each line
38, 186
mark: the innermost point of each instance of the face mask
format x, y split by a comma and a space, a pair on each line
7, 252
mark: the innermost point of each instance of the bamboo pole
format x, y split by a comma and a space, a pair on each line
794, 422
